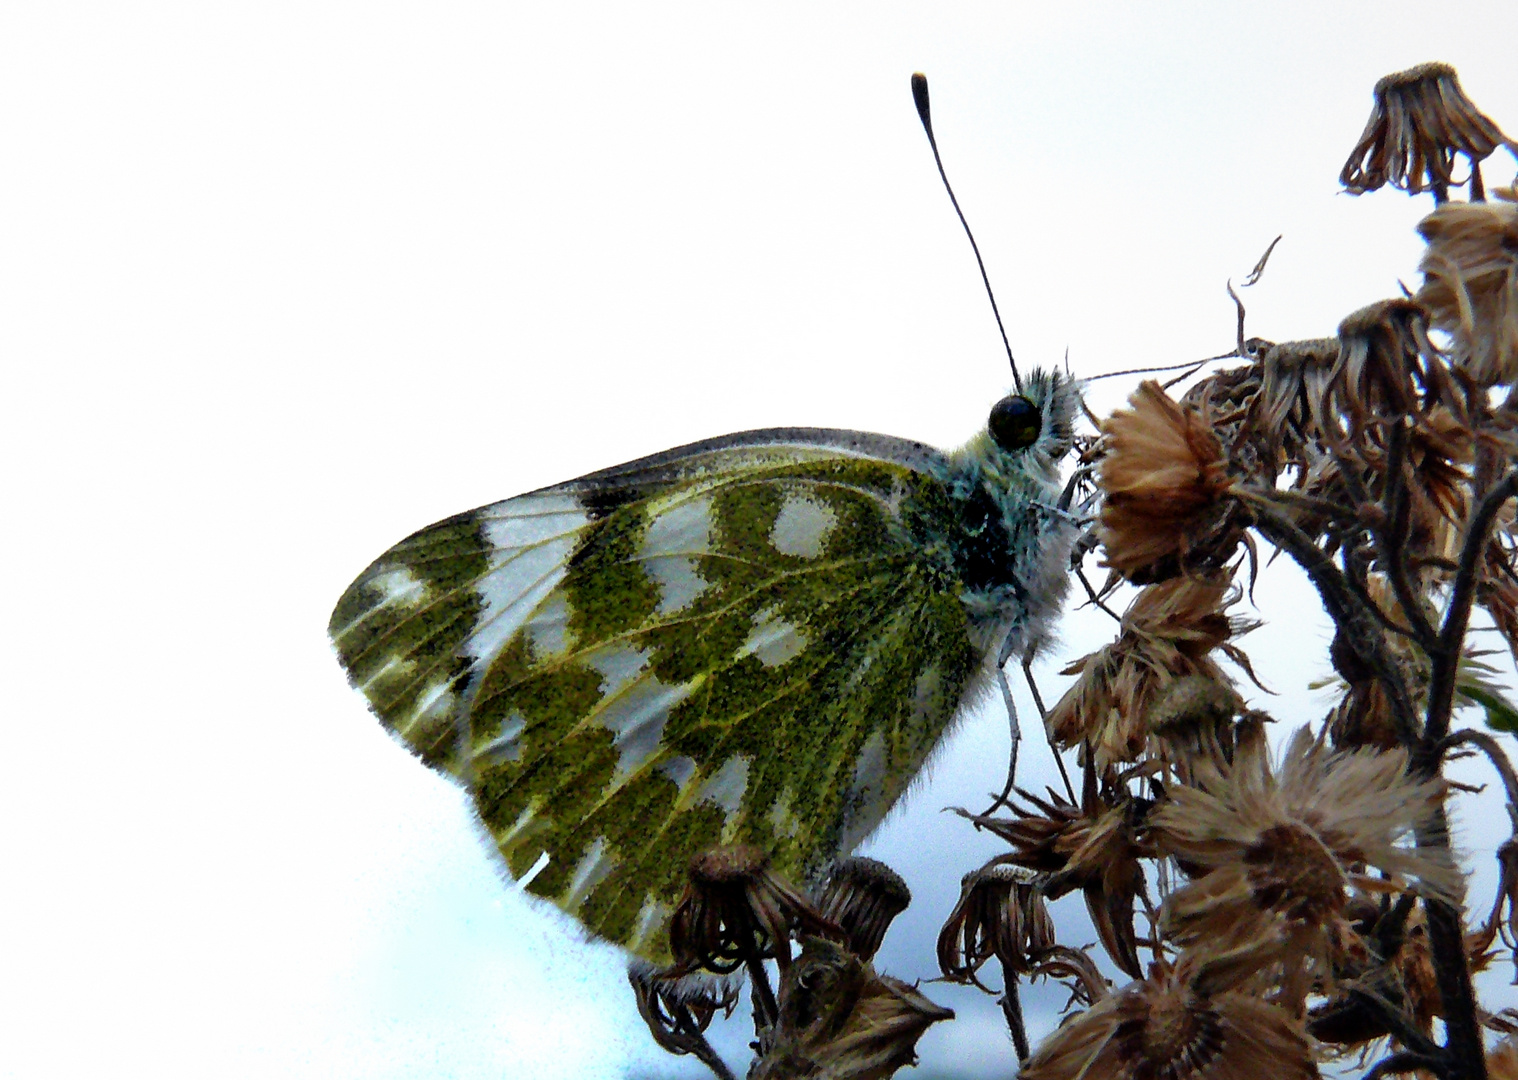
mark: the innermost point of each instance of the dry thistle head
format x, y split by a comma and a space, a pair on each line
735, 909
1282, 848
840, 1020
1094, 848
1168, 634
1164, 1028
861, 897
1420, 121
1001, 913
1470, 285
678, 1012
1387, 369
1165, 506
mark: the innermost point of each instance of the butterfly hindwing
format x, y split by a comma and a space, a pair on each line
752, 639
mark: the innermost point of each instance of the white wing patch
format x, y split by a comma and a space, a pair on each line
773, 640
636, 717
676, 536
589, 872
399, 587
724, 789
802, 526
533, 538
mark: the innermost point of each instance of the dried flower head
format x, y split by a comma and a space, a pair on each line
1001, 913
861, 897
736, 909
1094, 848
1386, 369
678, 1012
1420, 121
1166, 509
1165, 1028
1470, 285
1168, 634
1283, 848
840, 1020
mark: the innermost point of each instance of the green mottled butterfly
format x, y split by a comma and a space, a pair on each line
759, 638
755, 639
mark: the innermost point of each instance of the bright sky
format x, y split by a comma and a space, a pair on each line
283, 282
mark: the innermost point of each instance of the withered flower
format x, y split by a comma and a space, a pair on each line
1000, 913
1387, 369
1094, 848
1470, 285
839, 1019
1168, 634
1281, 850
1164, 481
861, 897
1165, 1028
1420, 121
1364, 716
736, 909
678, 1012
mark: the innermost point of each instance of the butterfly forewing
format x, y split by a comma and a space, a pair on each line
753, 639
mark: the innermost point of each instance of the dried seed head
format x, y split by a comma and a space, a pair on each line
1001, 913
1165, 485
678, 1012
839, 1019
1420, 121
862, 896
1164, 1028
1168, 634
1094, 848
1280, 850
1470, 285
736, 909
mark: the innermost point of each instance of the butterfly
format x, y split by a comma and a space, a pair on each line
760, 638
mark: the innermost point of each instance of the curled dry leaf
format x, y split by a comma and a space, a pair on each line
1166, 508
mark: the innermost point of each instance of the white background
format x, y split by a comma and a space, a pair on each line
282, 282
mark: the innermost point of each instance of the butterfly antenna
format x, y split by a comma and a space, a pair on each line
920, 96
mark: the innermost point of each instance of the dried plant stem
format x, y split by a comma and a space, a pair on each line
1012, 1008
1499, 760
1346, 609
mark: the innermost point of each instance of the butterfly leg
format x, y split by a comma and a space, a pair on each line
1006, 695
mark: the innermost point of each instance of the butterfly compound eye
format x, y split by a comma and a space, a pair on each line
1015, 423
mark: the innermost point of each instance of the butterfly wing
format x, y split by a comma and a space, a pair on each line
752, 639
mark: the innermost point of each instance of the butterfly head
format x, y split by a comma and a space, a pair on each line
1032, 431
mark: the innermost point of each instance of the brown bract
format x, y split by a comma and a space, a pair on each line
1470, 285
1281, 850
1122, 696
1165, 508
1165, 1028
1420, 122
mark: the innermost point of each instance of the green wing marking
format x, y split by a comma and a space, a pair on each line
762, 650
